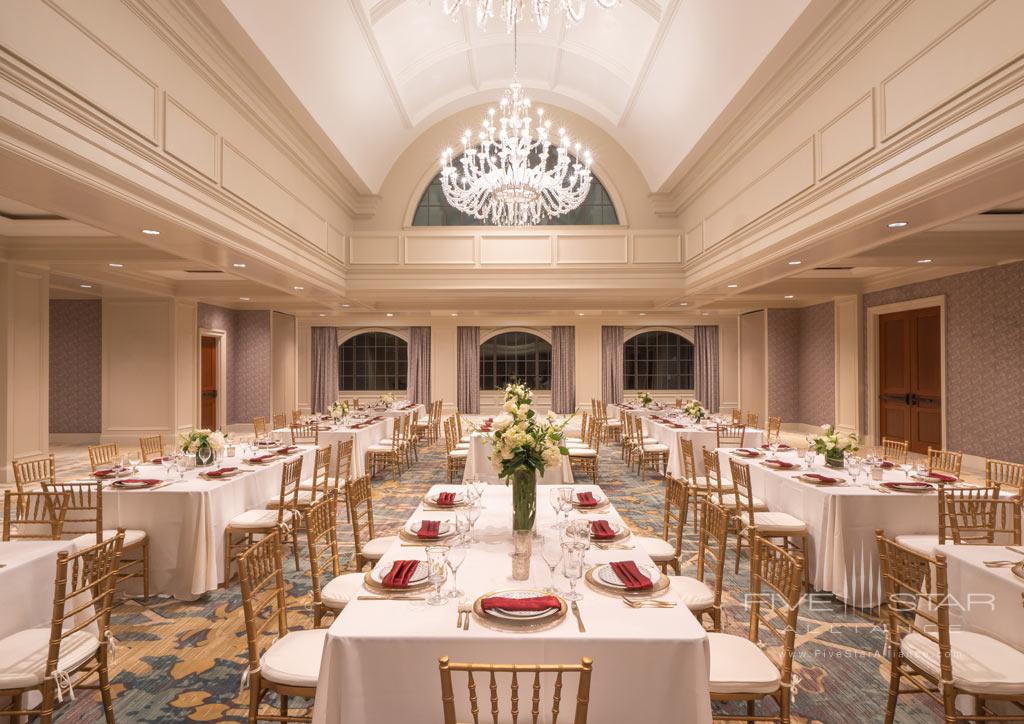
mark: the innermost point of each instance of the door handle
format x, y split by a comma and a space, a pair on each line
210, 394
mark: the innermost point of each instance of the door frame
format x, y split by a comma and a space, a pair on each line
874, 350
222, 377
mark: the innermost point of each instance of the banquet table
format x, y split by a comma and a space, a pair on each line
843, 554
400, 409
615, 411
478, 464
380, 659
667, 433
27, 574
982, 599
361, 437
185, 520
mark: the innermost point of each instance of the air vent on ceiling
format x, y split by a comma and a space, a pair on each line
203, 271
833, 268
1003, 212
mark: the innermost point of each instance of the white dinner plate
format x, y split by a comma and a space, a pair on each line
413, 527
420, 575
459, 497
616, 527
607, 575
601, 499
521, 615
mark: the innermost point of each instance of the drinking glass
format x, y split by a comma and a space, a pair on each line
168, 463
809, 456
436, 561
773, 448
551, 552
481, 488
572, 569
462, 525
133, 461
205, 455
456, 555
181, 465
565, 497
906, 468
473, 515
553, 498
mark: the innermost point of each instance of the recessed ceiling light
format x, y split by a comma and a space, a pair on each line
454, 314
85, 286
243, 299
389, 314
238, 265
643, 314
788, 296
322, 314
924, 261
898, 224
684, 304
795, 262
298, 289
151, 232
733, 286
115, 265
579, 314
704, 314
346, 306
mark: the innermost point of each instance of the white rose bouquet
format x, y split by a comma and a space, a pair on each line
387, 398
833, 444
339, 409
190, 442
644, 398
695, 410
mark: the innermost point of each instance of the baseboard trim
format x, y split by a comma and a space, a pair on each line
74, 438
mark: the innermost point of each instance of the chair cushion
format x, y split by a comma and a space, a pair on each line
458, 453
922, 543
257, 519
658, 549
655, 448
23, 663
462, 446
339, 591
305, 498
729, 501
582, 452
379, 448
613, 423
131, 538
775, 522
981, 664
704, 484
377, 547
295, 659
738, 666
695, 595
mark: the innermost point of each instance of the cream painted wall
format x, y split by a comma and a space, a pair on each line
729, 364
24, 363
752, 363
849, 384
284, 348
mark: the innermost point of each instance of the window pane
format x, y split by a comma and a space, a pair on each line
657, 361
515, 357
373, 361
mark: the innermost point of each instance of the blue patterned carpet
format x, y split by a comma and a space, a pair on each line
182, 662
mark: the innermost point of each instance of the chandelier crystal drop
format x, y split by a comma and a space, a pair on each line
511, 12
514, 175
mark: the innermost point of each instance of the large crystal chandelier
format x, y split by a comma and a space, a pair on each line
514, 176
512, 11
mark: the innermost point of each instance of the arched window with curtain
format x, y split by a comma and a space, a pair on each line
657, 360
373, 361
515, 357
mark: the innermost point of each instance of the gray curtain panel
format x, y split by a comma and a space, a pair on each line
705, 361
612, 339
468, 370
419, 365
563, 369
324, 356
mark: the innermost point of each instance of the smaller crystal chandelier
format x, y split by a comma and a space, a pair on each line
512, 11
510, 177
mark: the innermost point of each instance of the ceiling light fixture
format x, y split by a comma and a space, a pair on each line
924, 261
898, 224
346, 306
322, 314
243, 299
238, 265
151, 232
733, 286
795, 262
511, 177
511, 12
115, 265
85, 286
389, 314
684, 304
788, 296
298, 289
454, 314
704, 314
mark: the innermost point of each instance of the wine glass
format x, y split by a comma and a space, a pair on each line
180, 465
554, 500
551, 552
473, 515
436, 561
168, 463
456, 555
133, 460
773, 448
572, 569
809, 457
205, 455
481, 488
906, 467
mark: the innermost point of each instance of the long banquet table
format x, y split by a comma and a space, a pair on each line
380, 657
361, 437
185, 520
478, 464
982, 599
27, 572
669, 434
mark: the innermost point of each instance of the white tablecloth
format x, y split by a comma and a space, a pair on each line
398, 412
362, 438
615, 411
985, 600
26, 583
478, 465
186, 519
701, 438
380, 659
842, 523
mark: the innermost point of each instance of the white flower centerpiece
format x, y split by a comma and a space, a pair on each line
833, 444
196, 441
695, 411
339, 409
387, 399
644, 398
523, 446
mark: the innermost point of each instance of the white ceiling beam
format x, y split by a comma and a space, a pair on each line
474, 78
652, 55
382, 8
378, 57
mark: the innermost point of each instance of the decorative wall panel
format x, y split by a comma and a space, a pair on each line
188, 139
515, 249
432, 249
847, 137
76, 367
656, 249
592, 249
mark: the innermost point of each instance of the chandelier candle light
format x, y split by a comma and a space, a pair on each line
512, 11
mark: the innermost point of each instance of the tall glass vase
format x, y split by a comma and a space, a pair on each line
524, 512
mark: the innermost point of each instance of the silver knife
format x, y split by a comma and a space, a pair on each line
579, 618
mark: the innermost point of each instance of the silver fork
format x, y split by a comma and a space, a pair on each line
467, 609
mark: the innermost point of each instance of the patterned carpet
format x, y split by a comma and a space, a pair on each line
182, 662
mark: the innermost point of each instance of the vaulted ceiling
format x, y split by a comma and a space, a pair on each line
655, 73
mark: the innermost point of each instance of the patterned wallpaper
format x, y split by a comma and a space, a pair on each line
76, 365
248, 359
801, 364
984, 356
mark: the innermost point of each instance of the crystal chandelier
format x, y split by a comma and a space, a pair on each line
512, 11
514, 175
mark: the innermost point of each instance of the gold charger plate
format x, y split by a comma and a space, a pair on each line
439, 541
1018, 570
621, 536
372, 585
527, 626
659, 587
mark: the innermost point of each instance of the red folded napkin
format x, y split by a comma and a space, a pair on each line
220, 471
157, 461
783, 464
261, 458
429, 529
906, 484
886, 465
821, 478
446, 499
631, 576
147, 481
601, 530
586, 499
400, 573
943, 477
535, 603
782, 446
286, 449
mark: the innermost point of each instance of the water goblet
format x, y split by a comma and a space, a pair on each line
554, 500
133, 460
455, 558
572, 569
551, 552
809, 457
906, 468
205, 455
437, 557
462, 525
472, 514
168, 463
773, 448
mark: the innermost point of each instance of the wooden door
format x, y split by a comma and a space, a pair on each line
208, 382
910, 377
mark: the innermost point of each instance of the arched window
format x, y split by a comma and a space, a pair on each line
515, 357
434, 209
373, 361
657, 361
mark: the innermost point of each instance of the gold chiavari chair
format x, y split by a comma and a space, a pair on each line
700, 598
935, 660
612, 426
774, 429
649, 453
580, 441
368, 547
435, 421
104, 455
699, 487
303, 434
768, 524
388, 452
584, 669
296, 416
259, 427
64, 656
342, 472
737, 417
322, 542
280, 661
422, 425
725, 494
586, 459
30, 473
280, 519
761, 666
679, 403
665, 551
752, 419
979, 516
83, 523
458, 428
316, 486
730, 435
944, 461
455, 457
34, 515
1004, 474
151, 448
279, 421
894, 451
